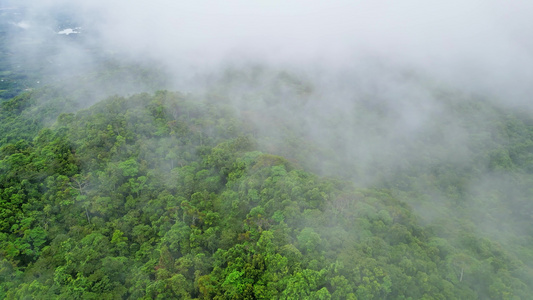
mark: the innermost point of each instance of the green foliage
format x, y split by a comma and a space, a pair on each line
158, 197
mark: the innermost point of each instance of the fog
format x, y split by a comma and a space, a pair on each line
362, 80
480, 45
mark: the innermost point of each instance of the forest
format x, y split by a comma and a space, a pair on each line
115, 184
162, 196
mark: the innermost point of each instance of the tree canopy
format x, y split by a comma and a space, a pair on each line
162, 196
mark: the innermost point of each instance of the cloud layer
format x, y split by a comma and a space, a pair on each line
488, 39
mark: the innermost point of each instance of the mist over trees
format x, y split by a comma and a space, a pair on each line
265, 151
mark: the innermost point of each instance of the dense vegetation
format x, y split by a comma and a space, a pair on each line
254, 190
263, 183
168, 196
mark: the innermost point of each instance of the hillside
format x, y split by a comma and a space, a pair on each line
167, 195
266, 150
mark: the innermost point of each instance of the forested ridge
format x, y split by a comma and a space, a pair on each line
167, 195
345, 150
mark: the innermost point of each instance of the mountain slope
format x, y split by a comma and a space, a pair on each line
166, 196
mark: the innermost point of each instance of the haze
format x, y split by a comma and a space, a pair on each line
395, 54
413, 97
477, 44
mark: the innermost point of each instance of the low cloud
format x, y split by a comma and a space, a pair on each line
483, 45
